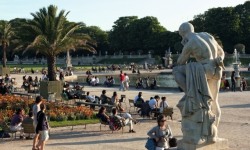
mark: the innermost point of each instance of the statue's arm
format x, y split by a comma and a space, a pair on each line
183, 58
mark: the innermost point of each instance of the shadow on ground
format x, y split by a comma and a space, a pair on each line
101, 141
236, 106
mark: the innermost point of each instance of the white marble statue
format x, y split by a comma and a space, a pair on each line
200, 81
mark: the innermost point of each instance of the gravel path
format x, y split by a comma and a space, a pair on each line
234, 126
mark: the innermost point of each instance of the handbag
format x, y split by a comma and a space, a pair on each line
150, 144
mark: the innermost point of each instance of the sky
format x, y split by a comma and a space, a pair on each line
103, 13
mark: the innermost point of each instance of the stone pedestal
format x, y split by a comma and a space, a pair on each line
221, 144
48, 87
4, 71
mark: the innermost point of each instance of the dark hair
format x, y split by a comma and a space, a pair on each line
38, 99
125, 74
42, 106
19, 110
87, 93
103, 91
163, 98
160, 117
140, 93
101, 110
157, 96
114, 111
114, 94
30, 114
233, 72
172, 142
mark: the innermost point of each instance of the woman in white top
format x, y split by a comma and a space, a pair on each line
126, 81
163, 104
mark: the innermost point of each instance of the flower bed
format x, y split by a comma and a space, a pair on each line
55, 112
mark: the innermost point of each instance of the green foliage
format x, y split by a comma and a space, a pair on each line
52, 34
6, 35
230, 24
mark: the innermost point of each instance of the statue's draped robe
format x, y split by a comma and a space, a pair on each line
196, 106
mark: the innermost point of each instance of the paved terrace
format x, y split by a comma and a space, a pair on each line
235, 126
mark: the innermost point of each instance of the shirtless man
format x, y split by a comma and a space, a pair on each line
204, 48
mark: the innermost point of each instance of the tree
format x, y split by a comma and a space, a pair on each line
6, 35
53, 34
144, 33
97, 34
118, 36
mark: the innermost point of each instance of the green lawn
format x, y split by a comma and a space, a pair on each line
72, 123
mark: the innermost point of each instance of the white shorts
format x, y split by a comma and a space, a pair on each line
44, 135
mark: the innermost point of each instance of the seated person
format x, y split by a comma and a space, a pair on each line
139, 83
163, 104
102, 115
7, 78
3, 89
161, 133
243, 84
127, 119
28, 120
16, 122
92, 99
104, 99
77, 86
97, 81
115, 101
153, 103
153, 85
69, 94
106, 82
88, 80
92, 82
138, 100
71, 73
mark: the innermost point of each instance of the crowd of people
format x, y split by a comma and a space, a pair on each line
6, 84
37, 117
161, 134
225, 84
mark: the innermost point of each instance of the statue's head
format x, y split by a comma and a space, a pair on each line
186, 28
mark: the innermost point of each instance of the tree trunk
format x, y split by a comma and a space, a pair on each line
51, 61
4, 53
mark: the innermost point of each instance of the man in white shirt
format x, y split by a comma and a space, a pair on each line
153, 104
91, 99
96, 80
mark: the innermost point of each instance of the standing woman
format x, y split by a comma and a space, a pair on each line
233, 81
42, 127
126, 81
161, 133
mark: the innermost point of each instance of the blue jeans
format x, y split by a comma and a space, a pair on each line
122, 86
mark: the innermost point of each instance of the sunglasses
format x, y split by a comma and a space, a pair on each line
163, 120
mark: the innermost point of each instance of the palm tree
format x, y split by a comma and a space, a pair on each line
53, 34
6, 33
